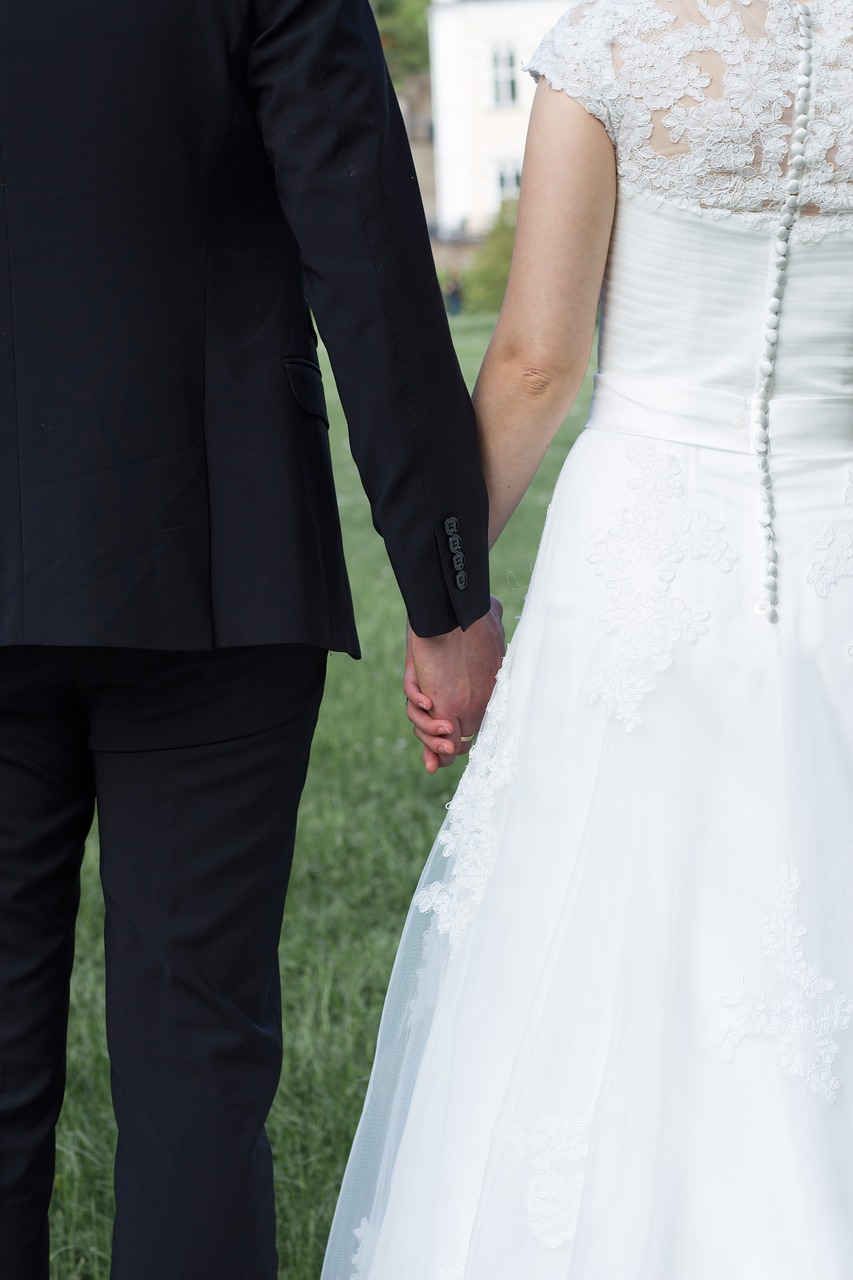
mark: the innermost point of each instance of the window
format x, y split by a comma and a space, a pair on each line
509, 179
504, 83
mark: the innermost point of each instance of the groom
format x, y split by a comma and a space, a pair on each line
177, 177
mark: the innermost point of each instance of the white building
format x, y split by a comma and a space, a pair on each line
481, 102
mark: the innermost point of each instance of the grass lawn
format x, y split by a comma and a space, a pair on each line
368, 819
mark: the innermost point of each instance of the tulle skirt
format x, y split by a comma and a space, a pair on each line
617, 1041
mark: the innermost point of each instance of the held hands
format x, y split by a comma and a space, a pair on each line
448, 682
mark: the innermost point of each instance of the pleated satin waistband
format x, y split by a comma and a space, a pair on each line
717, 420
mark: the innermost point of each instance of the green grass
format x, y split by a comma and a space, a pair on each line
368, 819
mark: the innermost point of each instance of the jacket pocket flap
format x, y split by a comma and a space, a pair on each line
306, 383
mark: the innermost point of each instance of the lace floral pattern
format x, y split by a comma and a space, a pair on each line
798, 1008
697, 95
836, 547
357, 1260
556, 1152
469, 835
836, 562
848, 492
638, 561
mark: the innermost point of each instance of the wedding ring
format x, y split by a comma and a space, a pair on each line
467, 737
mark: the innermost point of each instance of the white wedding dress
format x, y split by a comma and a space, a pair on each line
617, 1043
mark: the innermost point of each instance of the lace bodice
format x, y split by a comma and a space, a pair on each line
697, 97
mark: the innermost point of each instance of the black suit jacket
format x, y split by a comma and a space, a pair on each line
177, 176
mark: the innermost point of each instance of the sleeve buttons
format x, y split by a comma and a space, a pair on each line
454, 542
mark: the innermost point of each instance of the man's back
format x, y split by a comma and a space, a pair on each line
164, 469
177, 176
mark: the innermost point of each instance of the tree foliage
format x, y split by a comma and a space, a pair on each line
403, 27
485, 282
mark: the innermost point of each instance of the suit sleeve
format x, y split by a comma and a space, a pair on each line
346, 182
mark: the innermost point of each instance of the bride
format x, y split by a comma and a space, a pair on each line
617, 1042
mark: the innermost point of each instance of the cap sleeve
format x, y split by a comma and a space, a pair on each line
576, 56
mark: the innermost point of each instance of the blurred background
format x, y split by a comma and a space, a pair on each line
457, 69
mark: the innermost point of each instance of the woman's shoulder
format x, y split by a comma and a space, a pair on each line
577, 54
589, 30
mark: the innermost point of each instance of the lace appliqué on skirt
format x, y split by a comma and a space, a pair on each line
360, 1233
556, 1151
837, 562
639, 560
836, 543
469, 835
799, 1007
848, 492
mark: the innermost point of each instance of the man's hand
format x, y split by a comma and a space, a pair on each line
448, 682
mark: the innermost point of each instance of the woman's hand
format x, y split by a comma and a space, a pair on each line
448, 682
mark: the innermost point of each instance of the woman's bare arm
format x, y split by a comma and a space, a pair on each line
539, 353
540, 349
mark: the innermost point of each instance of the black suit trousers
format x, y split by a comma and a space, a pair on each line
197, 761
